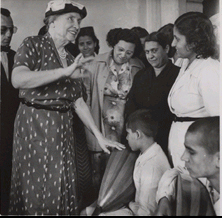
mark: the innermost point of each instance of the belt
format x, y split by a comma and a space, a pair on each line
186, 119
61, 109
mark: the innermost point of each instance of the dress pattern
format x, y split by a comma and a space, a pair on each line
116, 89
44, 166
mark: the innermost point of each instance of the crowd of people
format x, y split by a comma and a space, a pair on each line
65, 107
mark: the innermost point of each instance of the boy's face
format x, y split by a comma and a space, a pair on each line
132, 139
198, 161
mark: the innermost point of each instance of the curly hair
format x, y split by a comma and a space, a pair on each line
127, 35
88, 31
199, 32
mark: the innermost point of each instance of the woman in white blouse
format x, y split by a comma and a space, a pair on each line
195, 93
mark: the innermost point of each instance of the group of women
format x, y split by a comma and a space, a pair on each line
102, 89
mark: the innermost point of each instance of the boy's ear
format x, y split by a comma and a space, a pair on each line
138, 134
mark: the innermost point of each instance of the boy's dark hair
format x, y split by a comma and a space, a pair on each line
5, 12
210, 133
142, 120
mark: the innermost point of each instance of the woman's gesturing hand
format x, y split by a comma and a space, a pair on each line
74, 69
105, 143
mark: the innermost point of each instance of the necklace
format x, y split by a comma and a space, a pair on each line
63, 54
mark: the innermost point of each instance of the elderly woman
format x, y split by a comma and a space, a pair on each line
195, 93
151, 86
44, 174
112, 76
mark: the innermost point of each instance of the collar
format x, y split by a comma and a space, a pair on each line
106, 57
152, 151
124, 68
5, 48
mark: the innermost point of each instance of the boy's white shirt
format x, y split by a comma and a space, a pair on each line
148, 170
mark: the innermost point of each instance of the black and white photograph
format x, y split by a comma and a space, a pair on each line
110, 107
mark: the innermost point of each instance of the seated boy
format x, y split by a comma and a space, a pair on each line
149, 167
202, 160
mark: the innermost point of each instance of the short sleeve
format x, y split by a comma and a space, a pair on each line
77, 89
26, 54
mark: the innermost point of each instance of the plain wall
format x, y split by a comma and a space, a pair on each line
103, 15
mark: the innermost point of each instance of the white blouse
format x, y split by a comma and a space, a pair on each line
196, 91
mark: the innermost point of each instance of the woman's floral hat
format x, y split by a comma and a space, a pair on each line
65, 6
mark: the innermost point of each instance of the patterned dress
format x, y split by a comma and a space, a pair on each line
116, 89
44, 177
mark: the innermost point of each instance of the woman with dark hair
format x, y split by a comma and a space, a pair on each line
168, 31
151, 86
142, 33
86, 39
88, 44
195, 93
44, 169
112, 76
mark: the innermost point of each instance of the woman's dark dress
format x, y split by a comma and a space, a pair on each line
151, 92
44, 171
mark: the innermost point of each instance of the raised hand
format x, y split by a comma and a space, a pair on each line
74, 71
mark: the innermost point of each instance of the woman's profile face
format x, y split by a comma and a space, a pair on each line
123, 51
67, 26
180, 43
86, 46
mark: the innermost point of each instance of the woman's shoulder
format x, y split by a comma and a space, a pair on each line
104, 57
207, 69
136, 62
209, 65
33, 38
31, 41
142, 75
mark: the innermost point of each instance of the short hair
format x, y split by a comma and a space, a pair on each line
210, 133
127, 35
199, 31
88, 31
5, 12
48, 20
140, 31
158, 37
168, 31
142, 120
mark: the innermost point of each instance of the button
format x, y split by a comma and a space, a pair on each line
113, 102
113, 128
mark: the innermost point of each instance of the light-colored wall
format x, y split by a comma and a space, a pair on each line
103, 15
